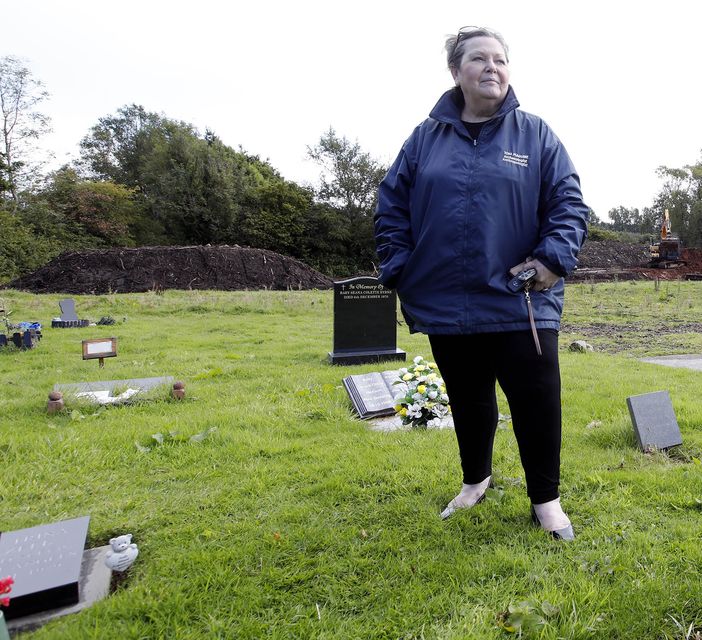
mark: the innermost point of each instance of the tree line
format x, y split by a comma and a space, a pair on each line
142, 178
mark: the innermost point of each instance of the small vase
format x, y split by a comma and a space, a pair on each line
4, 633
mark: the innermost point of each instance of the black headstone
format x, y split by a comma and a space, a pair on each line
45, 563
365, 322
654, 420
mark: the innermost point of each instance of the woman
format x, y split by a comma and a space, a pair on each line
478, 190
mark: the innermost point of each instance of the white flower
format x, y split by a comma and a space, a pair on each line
414, 411
403, 370
418, 359
399, 398
417, 397
434, 422
422, 379
432, 395
444, 397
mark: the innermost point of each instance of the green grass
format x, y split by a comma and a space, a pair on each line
294, 520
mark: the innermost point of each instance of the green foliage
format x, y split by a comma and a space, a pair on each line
100, 210
600, 233
21, 249
148, 443
681, 194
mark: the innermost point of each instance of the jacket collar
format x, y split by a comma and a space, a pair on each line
448, 108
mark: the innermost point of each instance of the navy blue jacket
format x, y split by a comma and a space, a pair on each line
454, 214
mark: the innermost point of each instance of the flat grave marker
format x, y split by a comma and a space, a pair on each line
654, 420
45, 562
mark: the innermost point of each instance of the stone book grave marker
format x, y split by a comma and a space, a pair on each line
365, 323
45, 562
372, 394
654, 420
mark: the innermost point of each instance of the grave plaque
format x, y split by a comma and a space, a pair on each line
45, 562
654, 420
365, 322
373, 394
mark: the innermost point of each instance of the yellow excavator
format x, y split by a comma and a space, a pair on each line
667, 252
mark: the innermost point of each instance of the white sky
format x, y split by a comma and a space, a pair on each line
618, 81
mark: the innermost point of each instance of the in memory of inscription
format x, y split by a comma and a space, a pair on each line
365, 322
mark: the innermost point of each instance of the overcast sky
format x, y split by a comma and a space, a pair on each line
618, 81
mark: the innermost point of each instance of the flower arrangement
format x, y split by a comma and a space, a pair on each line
5, 587
423, 401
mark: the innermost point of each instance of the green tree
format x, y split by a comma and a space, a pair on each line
274, 217
681, 194
349, 182
624, 219
350, 176
117, 145
20, 123
103, 211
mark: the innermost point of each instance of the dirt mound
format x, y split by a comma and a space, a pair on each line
602, 260
157, 268
609, 254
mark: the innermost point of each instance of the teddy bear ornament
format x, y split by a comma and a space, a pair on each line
122, 554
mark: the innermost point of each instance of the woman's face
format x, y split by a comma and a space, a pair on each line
484, 72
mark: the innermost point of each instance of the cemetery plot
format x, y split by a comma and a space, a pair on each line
112, 391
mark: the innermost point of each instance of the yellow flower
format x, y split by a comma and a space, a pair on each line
398, 408
403, 411
442, 389
432, 365
432, 376
407, 376
420, 367
430, 404
421, 388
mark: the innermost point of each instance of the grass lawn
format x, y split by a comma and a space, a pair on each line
294, 520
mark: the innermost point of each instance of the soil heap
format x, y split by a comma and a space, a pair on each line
601, 260
122, 270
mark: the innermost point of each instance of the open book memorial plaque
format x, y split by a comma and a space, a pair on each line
372, 394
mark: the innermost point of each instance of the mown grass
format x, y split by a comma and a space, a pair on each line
294, 520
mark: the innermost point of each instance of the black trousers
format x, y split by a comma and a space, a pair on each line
470, 365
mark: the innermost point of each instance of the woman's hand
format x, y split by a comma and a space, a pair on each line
544, 278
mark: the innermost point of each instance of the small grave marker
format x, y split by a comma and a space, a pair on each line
654, 420
372, 394
69, 317
45, 562
101, 348
365, 323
